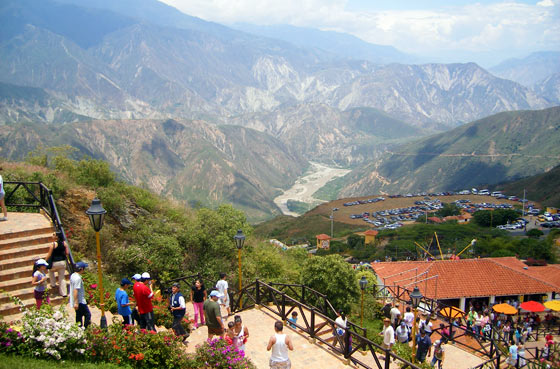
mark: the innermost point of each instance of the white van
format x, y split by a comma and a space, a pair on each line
484, 192
496, 193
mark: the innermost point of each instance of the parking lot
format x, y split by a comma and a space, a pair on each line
404, 208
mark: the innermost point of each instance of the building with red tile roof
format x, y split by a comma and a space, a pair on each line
457, 282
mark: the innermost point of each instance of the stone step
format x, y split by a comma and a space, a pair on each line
16, 273
16, 242
13, 285
9, 309
39, 251
26, 233
26, 292
16, 262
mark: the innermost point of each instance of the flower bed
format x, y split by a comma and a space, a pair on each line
49, 333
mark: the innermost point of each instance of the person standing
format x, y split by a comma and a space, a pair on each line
388, 334
222, 287
340, 327
512, 358
409, 318
424, 346
144, 294
136, 278
198, 296
241, 332
178, 308
2, 202
56, 258
39, 280
213, 316
280, 343
78, 295
123, 304
402, 332
395, 316
439, 353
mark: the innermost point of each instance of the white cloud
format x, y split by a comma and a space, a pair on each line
474, 27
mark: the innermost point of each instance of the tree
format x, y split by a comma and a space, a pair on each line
448, 209
534, 233
332, 276
493, 218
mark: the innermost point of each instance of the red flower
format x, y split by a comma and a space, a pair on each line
132, 356
139, 356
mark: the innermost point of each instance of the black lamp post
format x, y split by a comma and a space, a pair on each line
415, 298
363, 284
96, 214
239, 241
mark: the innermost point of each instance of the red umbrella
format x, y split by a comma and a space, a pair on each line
532, 306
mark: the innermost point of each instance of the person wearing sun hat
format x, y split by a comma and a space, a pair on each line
78, 295
123, 304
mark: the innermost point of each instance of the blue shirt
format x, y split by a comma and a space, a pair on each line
122, 299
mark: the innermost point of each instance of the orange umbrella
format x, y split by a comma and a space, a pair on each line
505, 309
553, 305
452, 312
532, 306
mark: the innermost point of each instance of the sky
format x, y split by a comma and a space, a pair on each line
485, 31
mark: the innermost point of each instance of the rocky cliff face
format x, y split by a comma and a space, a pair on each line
190, 161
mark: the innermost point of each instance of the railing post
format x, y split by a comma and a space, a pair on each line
312, 323
346, 343
387, 358
257, 292
498, 360
303, 294
283, 307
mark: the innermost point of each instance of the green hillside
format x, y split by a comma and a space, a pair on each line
542, 188
495, 149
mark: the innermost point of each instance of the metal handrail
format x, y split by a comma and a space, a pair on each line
44, 201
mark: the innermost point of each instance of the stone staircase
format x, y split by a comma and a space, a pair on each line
24, 238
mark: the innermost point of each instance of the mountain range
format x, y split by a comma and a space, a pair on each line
105, 60
206, 113
495, 149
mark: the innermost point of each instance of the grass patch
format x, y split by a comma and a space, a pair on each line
19, 362
299, 207
330, 191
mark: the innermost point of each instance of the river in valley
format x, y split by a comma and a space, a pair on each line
303, 189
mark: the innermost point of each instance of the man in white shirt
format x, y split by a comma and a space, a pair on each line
409, 318
388, 334
222, 287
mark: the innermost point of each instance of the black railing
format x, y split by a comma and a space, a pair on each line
35, 195
316, 321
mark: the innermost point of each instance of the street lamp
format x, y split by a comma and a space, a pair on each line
239, 241
96, 214
363, 284
332, 220
415, 297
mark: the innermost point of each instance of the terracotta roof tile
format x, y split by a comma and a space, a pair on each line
463, 278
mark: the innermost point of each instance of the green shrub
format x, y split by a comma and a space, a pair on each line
217, 353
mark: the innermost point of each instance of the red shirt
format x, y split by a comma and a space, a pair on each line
143, 296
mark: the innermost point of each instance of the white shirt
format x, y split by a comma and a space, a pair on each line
409, 318
388, 335
222, 286
340, 324
1, 186
394, 312
76, 283
279, 349
402, 333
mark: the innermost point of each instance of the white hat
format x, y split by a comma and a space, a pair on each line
216, 294
137, 277
146, 275
42, 262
